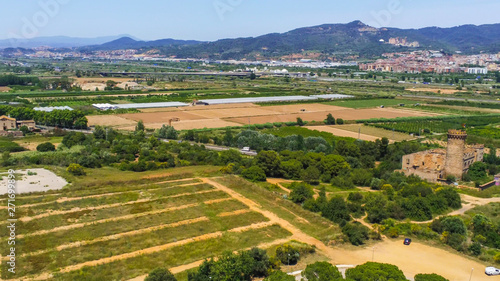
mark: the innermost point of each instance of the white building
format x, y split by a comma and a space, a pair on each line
477, 70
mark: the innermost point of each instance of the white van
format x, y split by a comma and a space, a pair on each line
492, 271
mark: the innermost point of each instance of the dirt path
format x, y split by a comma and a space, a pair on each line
278, 182
51, 213
297, 234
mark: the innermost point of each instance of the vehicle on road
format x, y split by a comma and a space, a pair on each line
407, 241
491, 271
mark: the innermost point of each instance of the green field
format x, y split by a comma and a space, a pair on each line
102, 229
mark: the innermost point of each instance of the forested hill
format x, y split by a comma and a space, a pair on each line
328, 40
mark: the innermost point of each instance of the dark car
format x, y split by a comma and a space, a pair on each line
407, 241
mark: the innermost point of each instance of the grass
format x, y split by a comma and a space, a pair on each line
85, 216
370, 103
143, 220
493, 191
127, 244
492, 211
316, 226
289, 131
7, 145
129, 268
376, 132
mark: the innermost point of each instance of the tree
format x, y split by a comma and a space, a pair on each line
25, 130
168, 132
300, 192
311, 175
478, 171
279, 276
287, 254
160, 274
330, 120
99, 133
254, 173
140, 126
75, 169
336, 210
340, 121
270, 162
45, 147
322, 271
356, 233
374, 271
300, 122
429, 277
253, 76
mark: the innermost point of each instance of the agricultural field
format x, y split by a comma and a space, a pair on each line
372, 103
219, 116
105, 229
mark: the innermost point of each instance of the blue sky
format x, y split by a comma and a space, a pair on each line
217, 19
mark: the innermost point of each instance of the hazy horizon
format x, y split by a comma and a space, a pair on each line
219, 19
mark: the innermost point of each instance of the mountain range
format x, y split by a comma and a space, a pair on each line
326, 41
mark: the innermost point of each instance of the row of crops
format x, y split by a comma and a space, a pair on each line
427, 125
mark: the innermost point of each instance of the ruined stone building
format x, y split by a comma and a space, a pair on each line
436, 164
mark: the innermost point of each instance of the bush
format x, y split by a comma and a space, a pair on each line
45, 147
75, 169
374, 271
475, 248
160, 274
322, 271
356, 233
429, 277
254, 173
279, 276
287, 254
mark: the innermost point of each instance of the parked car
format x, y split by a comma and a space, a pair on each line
407, 241
491, 271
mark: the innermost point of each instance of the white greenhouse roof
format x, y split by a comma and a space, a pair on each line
256, 100
332, 96
106, 106
52, 108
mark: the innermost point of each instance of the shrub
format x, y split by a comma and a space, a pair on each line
160, 274
374, 271
254, 173
322, 271
429, 277
45, 147
279, 276
356, 233
75, 169
300, 193
287, 254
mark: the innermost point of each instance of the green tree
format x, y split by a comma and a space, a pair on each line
300, 192
254, 173
478, 171
330, 120
336, 210
311, 175
76, 169
45, 147
140, 126
356, 233
322, 271
287, 254
279, 276
160, 274
340, 121
300, 122
270, 162
25, 130
168, 132
99, 133
429, 277
373, 271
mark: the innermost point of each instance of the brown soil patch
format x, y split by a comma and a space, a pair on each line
161, 117
109, 120
4, 89
346, 114
435, 90
343, 133
309, 107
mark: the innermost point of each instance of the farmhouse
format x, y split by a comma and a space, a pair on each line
436, 164
7, 123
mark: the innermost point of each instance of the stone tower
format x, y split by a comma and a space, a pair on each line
454, 164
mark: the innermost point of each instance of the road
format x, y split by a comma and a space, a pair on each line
220, 147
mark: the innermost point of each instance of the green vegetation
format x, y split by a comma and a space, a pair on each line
372, 271
365, 103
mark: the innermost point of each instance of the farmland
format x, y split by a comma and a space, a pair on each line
120, 232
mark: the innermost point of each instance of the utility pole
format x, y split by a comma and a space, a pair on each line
470, 278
